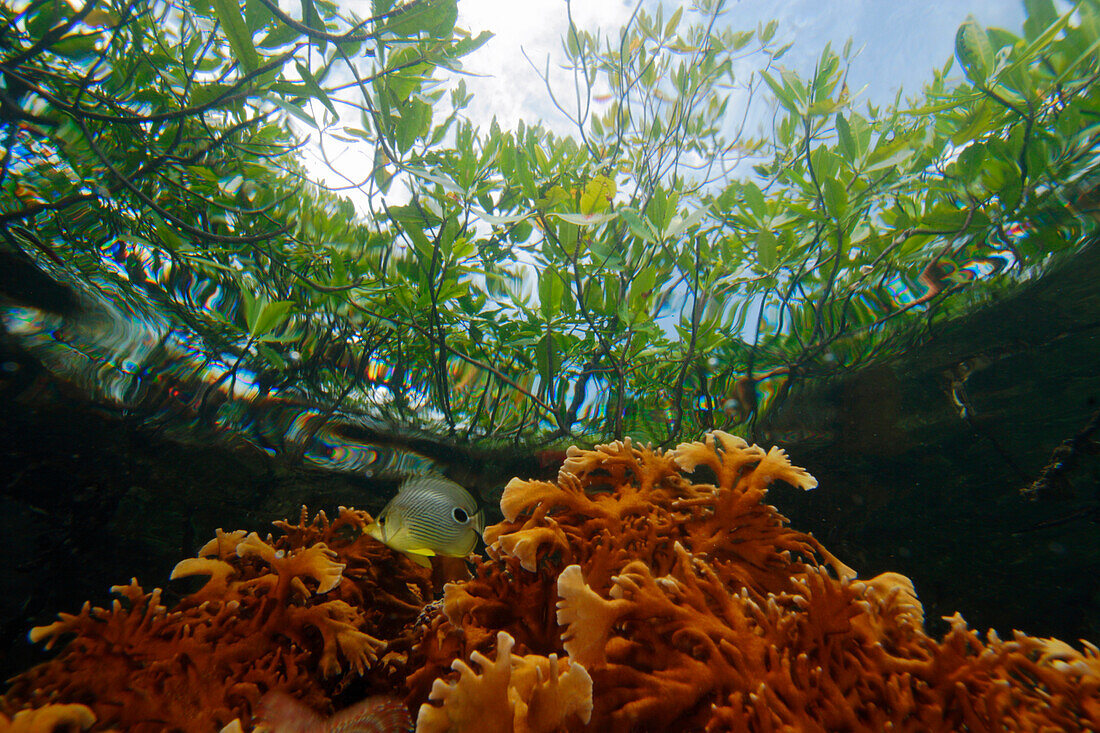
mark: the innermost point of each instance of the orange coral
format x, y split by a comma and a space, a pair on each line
304, 614
651, 506
694, 606
49, 718
280, 713
643, 590
619, 504
528, 694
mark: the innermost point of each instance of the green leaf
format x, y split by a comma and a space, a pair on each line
204, 94
639, 225
77, 46
442, 179
641, 289
167, 234
783, 93
585, 220
974, 51
1037, 156
973, 124
401, 78
766, 252
295, 109
768, 31
201, 171
496, 220
550, 293
826, 163
741, 39
674, 21
42, 19
240, 39
754, 197
315, 89
272, 356
845, 141
893, 159
312, 20
945, 218
414, 122
680, 224
969, 161
264, 316
548, 358
796, 88
434, 17
256, 15
521, 232
553, 196
836, 198
1010, 193
597, 196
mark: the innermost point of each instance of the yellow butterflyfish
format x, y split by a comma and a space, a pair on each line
430, 515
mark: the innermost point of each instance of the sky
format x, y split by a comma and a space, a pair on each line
902, 41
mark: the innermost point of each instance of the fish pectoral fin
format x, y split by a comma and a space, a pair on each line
420, 557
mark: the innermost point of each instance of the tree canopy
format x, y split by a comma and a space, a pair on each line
659, 271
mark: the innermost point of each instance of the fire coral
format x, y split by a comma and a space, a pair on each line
532, 694
304, 615
693, 606
642, 590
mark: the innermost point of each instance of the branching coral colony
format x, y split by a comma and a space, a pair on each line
319, 609
630, 594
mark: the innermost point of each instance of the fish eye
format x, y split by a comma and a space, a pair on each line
460, 515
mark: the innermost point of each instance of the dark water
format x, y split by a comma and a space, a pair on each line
925, 463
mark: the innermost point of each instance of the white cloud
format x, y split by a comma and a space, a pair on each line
902, 41
508, 87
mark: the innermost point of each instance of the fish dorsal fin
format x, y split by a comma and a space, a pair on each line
435, 483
